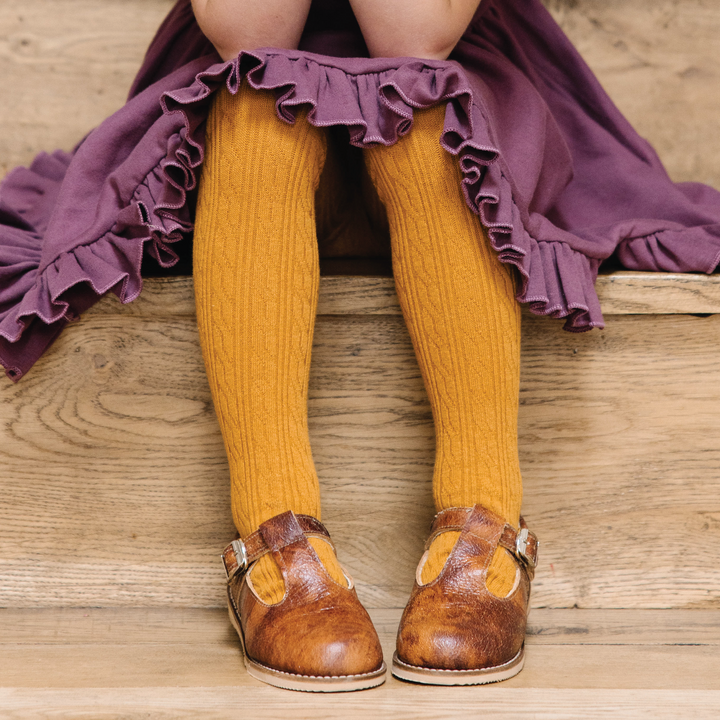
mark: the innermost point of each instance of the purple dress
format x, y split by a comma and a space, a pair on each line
554, 171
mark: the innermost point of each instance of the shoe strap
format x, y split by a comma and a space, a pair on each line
275, 534
521, 542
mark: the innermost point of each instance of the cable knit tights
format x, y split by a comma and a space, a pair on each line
459, 304
256, 277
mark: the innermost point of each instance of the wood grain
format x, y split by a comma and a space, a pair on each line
115, 483
578, 667
405, 703
128, 663
110, 449
66, 65
645, 293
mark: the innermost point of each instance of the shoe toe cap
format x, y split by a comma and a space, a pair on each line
459, 638
328, 644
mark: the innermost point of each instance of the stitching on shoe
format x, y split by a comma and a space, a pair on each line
466, 671
317, 677
235, 607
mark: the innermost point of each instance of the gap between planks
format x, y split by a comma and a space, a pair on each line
620, 293
405, 703
152, 625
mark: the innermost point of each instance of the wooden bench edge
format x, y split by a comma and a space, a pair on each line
620, 293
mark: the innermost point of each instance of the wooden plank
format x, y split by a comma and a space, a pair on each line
624, 426
408, 703
66, 65
681, 667
644, 293
620, 293
128, 662
339, 295
110, 446
142, 647
123, 665
188, 626
358, 296
160, 297
621, 627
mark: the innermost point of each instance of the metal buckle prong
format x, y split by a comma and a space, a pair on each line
241, 558
241, 555
521, 543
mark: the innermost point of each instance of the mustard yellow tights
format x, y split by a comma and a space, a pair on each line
459, 305
256, 278
257, 275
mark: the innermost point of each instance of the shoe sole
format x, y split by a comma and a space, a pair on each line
304, 683
437, 676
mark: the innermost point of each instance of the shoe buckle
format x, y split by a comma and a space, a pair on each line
521, 544
241, 558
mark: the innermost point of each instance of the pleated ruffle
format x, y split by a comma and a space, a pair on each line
376, 104
35, 305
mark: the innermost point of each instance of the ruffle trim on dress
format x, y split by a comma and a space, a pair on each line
35, 306
694, 249
376, 104
556, 280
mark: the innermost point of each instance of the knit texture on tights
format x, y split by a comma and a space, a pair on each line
257, 275
459, 304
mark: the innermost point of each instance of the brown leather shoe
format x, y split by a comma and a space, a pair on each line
318, 637
453, 630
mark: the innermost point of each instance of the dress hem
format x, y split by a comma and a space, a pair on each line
556, 280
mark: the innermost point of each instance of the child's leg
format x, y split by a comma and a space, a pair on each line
256, 283
459, 306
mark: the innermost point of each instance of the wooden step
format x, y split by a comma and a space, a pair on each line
115, 488
115, 484
136, 663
